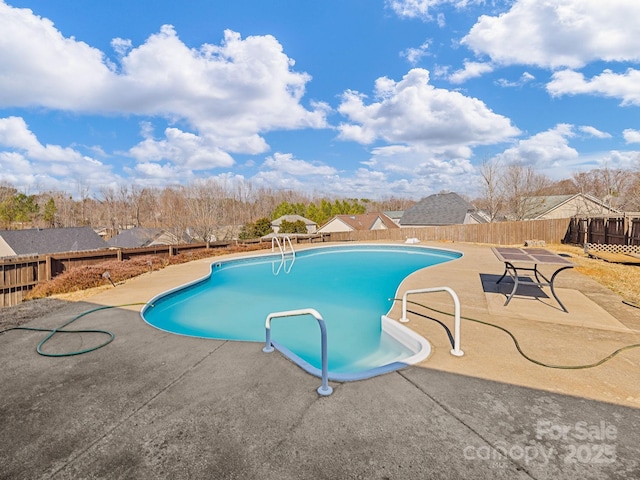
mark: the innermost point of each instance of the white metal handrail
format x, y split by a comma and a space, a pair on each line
456, 302
282, 246
323, 389
276, 241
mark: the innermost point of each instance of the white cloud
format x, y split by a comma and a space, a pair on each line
413, 112
631, 136
157, 171
240, 87
121, 46
27, 162
428, 133
15, 134
14, 164
623, 160
420, 8
414, 55
285, 163
183, 149
546, 149
609, 84
594, 132
470, 70
525, 78
559, 33
231, 92
283, 171
42, 68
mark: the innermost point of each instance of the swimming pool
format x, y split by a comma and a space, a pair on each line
352, 287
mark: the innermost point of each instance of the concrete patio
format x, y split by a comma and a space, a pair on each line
156, 405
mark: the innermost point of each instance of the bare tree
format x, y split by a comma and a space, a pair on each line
244, 204
140, 202
66, 209
204, 203
492, 197
172, 213
632, 194
110, 210
521, 185
83, 192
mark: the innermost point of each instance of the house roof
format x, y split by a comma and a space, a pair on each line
394, 215
538, 206
135, 237
35, 241
439, 209
292, 219
366, 221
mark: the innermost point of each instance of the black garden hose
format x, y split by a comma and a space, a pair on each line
517, 344
60, 329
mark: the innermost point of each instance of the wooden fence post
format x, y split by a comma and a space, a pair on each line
48, 274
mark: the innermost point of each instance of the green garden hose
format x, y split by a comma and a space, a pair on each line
517, 344
59, 329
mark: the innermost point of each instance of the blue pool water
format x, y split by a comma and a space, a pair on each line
351, 287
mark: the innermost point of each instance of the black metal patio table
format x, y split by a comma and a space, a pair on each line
520, 259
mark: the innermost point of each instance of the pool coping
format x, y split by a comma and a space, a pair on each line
408, 338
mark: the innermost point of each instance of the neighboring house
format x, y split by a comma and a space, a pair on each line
442, 209
311, 226
221, 234
565, 206
36, 241
142, 237
103, 232
395, 215
350, 223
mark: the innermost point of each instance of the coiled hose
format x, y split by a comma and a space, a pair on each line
60, 329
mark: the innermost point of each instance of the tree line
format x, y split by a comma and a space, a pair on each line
215, 208
510, 192
205, 209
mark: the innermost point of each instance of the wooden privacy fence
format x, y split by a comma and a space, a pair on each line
503, 233
621, 229
18, 275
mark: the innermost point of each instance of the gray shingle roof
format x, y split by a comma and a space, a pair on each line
537, 207
135, 237
438, 209
53, 240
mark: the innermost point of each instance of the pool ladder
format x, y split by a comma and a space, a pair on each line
323, 389
286, 255
456, 316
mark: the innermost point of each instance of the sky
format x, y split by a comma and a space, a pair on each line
341, 98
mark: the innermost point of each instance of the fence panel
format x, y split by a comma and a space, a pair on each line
634, 232
18, 275
596, 232
503, 233
616, 232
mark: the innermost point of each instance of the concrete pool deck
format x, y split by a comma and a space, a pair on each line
156, 405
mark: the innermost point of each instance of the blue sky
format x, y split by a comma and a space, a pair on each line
348, 98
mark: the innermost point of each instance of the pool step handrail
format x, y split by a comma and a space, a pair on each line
456, 302
282, 247
323, 389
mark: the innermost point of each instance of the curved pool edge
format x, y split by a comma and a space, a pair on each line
234, 258
407, 337
419, 345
